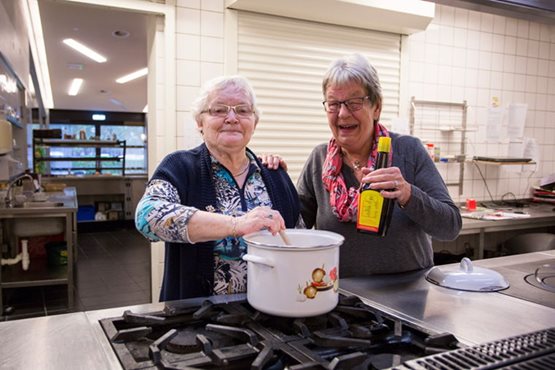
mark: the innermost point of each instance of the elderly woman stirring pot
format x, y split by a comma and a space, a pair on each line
329, 183
201, 201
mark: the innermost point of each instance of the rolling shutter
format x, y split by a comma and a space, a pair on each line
285, 60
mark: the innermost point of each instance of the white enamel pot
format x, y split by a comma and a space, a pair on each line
296, 280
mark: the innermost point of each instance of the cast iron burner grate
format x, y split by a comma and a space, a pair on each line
205, 335
534, 350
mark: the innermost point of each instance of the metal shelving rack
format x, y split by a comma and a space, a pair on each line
443, 123
98, 144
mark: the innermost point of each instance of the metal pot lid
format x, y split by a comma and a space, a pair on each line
301, 239
467, 277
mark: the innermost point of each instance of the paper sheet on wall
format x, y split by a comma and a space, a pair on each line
516, 120
531, 149
515, 149
523, 148
493, 126
400, 125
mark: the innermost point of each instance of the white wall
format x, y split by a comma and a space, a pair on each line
467, 55
199, 57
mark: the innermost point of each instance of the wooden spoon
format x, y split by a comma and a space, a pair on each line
284, 237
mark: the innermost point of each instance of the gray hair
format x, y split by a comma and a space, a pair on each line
354, 67
215, 85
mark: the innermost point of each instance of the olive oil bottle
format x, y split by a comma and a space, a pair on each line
374, 211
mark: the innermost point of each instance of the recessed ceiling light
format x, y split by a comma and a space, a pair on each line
75, 86
85, 50
132, 76
120, 34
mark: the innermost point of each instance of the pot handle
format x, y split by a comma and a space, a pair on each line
258, 259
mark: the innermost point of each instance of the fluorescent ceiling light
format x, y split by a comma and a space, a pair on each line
31, 14
99, 117
132, 76
75, 86
85, 50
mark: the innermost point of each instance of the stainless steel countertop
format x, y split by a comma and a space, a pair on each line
77, 341
473, 317
52, 342
68, 197
541, 214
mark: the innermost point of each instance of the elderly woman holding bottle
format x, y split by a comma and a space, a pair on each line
330, 183
202, 201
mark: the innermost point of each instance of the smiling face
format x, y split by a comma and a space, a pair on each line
352, 130
232, 133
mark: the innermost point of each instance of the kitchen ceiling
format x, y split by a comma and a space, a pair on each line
118, 35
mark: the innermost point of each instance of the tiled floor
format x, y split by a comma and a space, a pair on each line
112, 270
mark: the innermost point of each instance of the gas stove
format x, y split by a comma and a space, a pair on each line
213, 333
195, 334
531, 281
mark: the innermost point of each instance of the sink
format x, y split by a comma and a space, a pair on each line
31, 226
42, 204
34, 226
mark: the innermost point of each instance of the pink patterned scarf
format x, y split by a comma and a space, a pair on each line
344, 201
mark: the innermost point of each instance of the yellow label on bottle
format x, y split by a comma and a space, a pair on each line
370, 210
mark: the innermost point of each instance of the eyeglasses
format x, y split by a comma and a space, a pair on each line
352, 104
222, 110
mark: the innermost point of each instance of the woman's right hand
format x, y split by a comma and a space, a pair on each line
273, 161
258, 219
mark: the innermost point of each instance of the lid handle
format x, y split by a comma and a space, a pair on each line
466, 265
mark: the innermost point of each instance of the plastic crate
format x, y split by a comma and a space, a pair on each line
85, 213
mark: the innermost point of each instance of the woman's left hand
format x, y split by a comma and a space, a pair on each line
273, 161
391, 183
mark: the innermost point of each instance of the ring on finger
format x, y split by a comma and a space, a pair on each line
395, 184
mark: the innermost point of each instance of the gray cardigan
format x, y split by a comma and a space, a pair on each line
407, 246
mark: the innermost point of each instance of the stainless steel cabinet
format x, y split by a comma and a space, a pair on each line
19, 224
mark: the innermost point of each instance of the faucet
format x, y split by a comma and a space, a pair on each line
18, 180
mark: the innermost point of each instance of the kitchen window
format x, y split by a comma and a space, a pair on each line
79, 125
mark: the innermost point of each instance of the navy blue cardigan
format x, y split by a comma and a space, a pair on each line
189, 268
